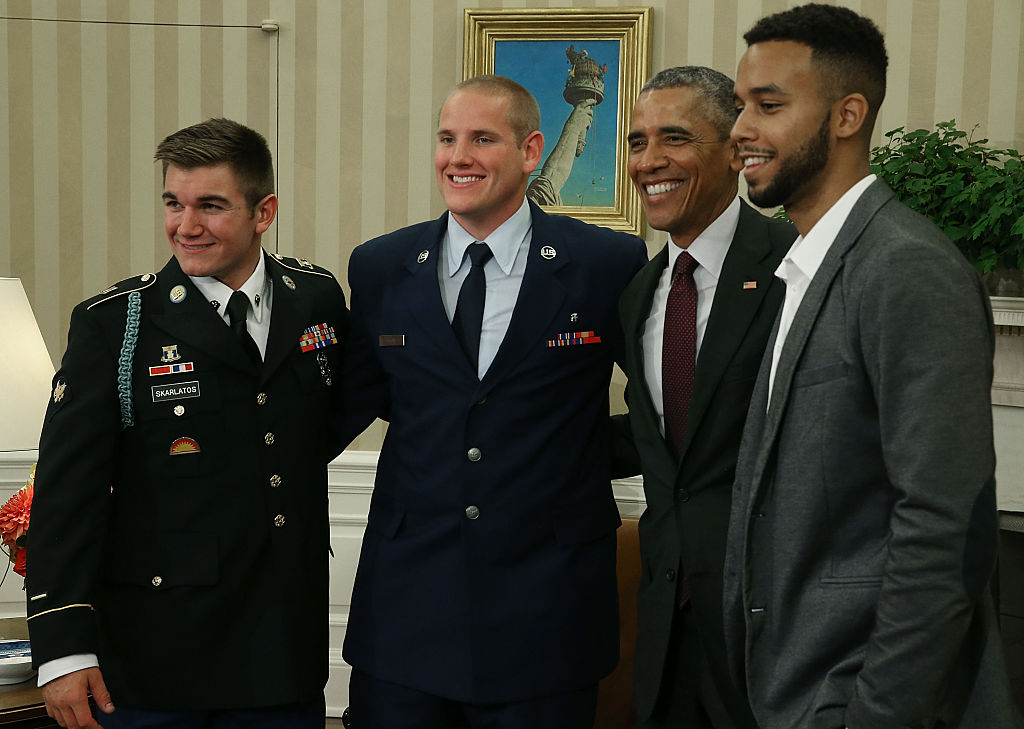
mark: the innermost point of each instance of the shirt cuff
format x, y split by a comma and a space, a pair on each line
66, 664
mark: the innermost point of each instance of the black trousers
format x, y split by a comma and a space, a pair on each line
377, 704
689, 697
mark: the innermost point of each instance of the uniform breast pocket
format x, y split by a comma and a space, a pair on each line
179, 421
581, 345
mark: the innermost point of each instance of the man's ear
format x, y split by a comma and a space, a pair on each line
849, 115
266, 211
735, 163
533, 148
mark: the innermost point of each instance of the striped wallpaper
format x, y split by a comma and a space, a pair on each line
346, 91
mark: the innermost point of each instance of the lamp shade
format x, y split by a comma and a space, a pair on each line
25, 370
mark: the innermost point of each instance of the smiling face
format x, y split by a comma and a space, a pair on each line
783, 132
481, 171
684, 172
211, 229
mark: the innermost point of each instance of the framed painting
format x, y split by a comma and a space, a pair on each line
585, 66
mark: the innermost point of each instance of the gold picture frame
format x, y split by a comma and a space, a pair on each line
564, 56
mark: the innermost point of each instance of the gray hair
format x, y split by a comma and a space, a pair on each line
714, 88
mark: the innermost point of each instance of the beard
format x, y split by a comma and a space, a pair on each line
796, 170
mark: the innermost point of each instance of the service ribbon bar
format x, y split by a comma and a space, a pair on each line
569, 339
317, 336
172, 369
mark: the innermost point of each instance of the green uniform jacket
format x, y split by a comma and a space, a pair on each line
189, 550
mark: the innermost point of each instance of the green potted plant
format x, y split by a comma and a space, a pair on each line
973, 192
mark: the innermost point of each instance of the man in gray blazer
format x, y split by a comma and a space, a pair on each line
863, 532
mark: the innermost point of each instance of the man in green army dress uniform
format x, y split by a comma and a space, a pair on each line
179, 542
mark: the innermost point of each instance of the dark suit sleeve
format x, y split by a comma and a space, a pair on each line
77, 451
927, 345
638, 259
625, 459
365, 391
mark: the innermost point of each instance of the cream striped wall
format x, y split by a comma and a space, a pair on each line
346, 91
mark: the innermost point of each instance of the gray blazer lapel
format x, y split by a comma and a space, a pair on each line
877, 194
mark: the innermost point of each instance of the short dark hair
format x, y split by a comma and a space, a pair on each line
523, 111
715, 89
848, 49
220, 141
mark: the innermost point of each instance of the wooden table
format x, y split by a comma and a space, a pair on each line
21, 704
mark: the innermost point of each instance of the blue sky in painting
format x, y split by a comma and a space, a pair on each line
541, 66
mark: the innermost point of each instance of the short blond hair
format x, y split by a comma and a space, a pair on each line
523, 111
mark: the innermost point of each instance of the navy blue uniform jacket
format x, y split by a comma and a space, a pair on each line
487, 571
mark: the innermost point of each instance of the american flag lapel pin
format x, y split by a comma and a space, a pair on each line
749, 285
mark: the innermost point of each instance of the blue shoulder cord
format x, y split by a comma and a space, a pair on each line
124, 364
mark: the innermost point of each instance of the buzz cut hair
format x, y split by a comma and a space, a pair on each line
715, 89
223, 141
848, 49
523, 111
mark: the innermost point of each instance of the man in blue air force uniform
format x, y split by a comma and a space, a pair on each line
178, 551
486, 590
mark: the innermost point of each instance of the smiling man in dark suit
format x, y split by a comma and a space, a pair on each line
863, 533
696, 320
486, 593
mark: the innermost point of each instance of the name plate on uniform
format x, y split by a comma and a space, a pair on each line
178, 391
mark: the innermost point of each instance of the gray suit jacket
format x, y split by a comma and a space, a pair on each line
863, 531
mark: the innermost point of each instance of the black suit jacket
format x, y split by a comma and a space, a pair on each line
199, 577
487, 571
688, 500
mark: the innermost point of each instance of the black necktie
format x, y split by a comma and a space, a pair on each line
238, 307
469, 311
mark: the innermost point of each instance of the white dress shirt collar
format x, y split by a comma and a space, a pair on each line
807, 252
802, 262
255, 289
504, 242
710, 247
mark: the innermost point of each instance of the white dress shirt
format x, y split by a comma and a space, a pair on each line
709, 250
510, 244
803, 260
259, 291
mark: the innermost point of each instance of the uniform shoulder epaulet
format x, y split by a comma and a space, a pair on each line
135, 283
301, 265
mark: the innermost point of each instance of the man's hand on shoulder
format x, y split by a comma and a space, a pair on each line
67, 698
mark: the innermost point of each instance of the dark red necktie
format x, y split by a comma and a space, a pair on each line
679, 350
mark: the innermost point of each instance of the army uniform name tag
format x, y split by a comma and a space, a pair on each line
177, 391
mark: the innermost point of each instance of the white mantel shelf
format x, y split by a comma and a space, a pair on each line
1008, 311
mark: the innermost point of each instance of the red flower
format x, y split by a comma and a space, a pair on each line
20, 563
14, 516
